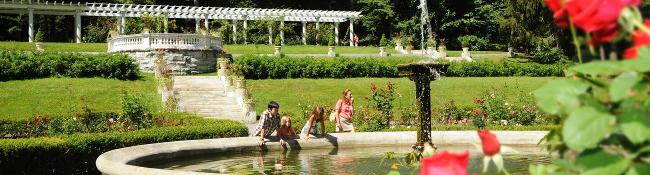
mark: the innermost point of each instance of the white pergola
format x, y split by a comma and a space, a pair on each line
123, 11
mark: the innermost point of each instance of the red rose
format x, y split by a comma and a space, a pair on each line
489, 141
640, 39
605, 34
560, 16
597, 17
445, 163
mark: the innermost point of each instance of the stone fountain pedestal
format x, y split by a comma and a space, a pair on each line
422, 73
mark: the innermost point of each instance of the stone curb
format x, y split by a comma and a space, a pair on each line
122, 161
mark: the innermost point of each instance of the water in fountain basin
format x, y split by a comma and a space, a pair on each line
360, 160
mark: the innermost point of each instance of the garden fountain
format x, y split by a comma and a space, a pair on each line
422, 73
360, 152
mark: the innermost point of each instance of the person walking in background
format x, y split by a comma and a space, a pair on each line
269, 122
356, 40
344, 112
311, 127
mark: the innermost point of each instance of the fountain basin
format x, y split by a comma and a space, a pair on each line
431, 70
129, 160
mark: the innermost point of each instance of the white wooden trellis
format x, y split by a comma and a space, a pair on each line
184, 12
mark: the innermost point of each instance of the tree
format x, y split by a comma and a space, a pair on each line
377, 20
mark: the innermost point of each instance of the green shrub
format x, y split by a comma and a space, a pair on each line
474, 42
266, 67
40, 37
263, 67
76, 154
277, 41
546, 53
27, 65
383, 42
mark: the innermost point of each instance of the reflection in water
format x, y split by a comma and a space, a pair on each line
361, 160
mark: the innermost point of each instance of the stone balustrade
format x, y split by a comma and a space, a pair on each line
169, 41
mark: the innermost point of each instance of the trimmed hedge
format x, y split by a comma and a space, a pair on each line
269, 67
76, 153
505, 69
263, 67
16, 65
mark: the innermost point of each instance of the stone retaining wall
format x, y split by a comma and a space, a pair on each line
182, 62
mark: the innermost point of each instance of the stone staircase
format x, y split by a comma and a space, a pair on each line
207, 96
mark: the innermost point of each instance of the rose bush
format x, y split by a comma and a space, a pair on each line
604, 107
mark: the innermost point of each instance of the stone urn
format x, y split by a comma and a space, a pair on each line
239, 83
430, 50
399, 47
39, 46
442, 52
382, 52
511, 52
249, 108
330, 51
223, 67
278, 50
466, 55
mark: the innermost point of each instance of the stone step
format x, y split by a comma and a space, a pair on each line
198, 88
220, 106
207, 102
231, 116
205, 96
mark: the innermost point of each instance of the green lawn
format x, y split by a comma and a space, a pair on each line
290, 92
233, 49
55, 47
299, 49
51, 96
456, 53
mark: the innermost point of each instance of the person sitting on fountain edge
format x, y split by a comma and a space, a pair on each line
269, 122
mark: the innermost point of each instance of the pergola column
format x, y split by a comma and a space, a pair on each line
206, 23
304, 33
234, 31
336, 33
270, 34
282, 32
317, 30
122, 24
77, 26
31, 25
245, 31
197, 26
166, 24
351, 32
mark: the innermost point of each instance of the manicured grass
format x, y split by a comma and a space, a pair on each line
299, 49
290, 92
233, 49
55, 47
24, 98
457, 53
